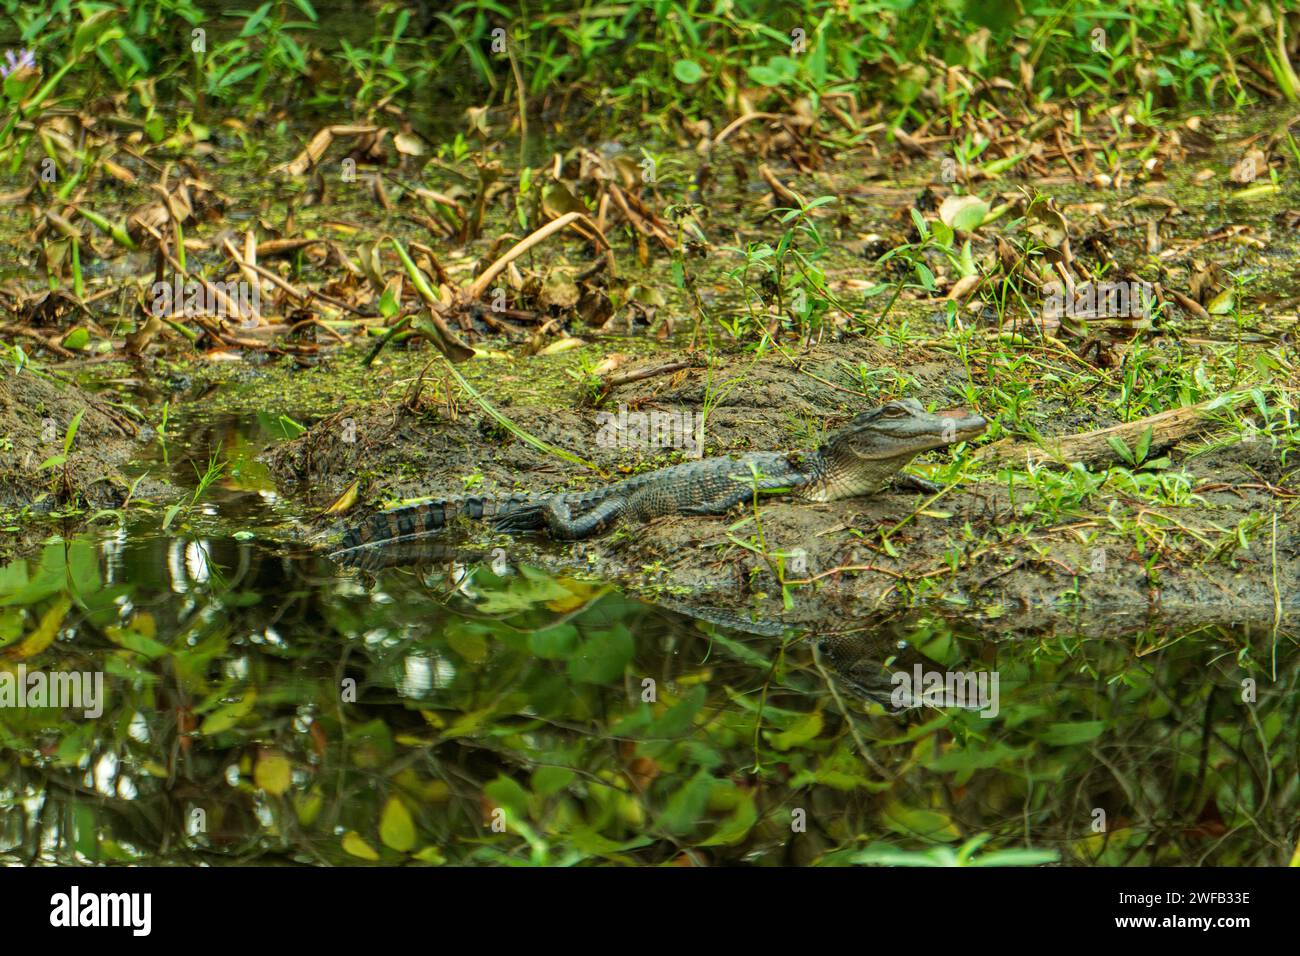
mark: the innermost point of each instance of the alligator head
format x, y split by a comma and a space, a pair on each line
862, 457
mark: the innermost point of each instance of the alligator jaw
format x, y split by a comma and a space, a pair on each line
862, 458
852, 479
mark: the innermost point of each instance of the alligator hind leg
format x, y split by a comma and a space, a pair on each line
562, 524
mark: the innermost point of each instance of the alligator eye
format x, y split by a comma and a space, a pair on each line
893, 411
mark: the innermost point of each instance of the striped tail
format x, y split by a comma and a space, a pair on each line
411, 522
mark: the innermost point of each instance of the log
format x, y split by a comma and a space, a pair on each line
1167, 428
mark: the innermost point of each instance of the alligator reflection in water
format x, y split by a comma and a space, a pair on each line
262, 705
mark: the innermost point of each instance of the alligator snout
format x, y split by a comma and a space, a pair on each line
958, 427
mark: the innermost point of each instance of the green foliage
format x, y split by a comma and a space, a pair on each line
656, 54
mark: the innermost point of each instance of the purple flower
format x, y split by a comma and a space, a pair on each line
25, 58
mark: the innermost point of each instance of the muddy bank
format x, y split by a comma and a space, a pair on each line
36, 415
40, 416
1217, 536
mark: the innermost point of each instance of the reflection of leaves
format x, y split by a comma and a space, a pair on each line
506, 793
1070, 734
965, 855
736, 827
469, 644
685, 807
371, 743
538, 708
431, 854
602, 656
550, 780
589, 841
925, 824
354, 845
800, 732
227, 715
138, 637
553, 643
577, 594
975, 755
680, 717
468, 724
273, 772
396, 828
11, 625
46, 631
529, 590
62, 566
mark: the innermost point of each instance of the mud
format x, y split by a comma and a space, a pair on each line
38, 482
35, 415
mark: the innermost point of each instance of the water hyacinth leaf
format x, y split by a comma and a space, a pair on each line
963, 214
1143, 445
688, 71
1222, 304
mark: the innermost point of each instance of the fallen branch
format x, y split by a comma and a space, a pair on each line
1167, 428
641, 374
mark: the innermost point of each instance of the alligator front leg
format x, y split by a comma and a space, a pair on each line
906, 482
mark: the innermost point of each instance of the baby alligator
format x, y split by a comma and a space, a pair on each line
859, 459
